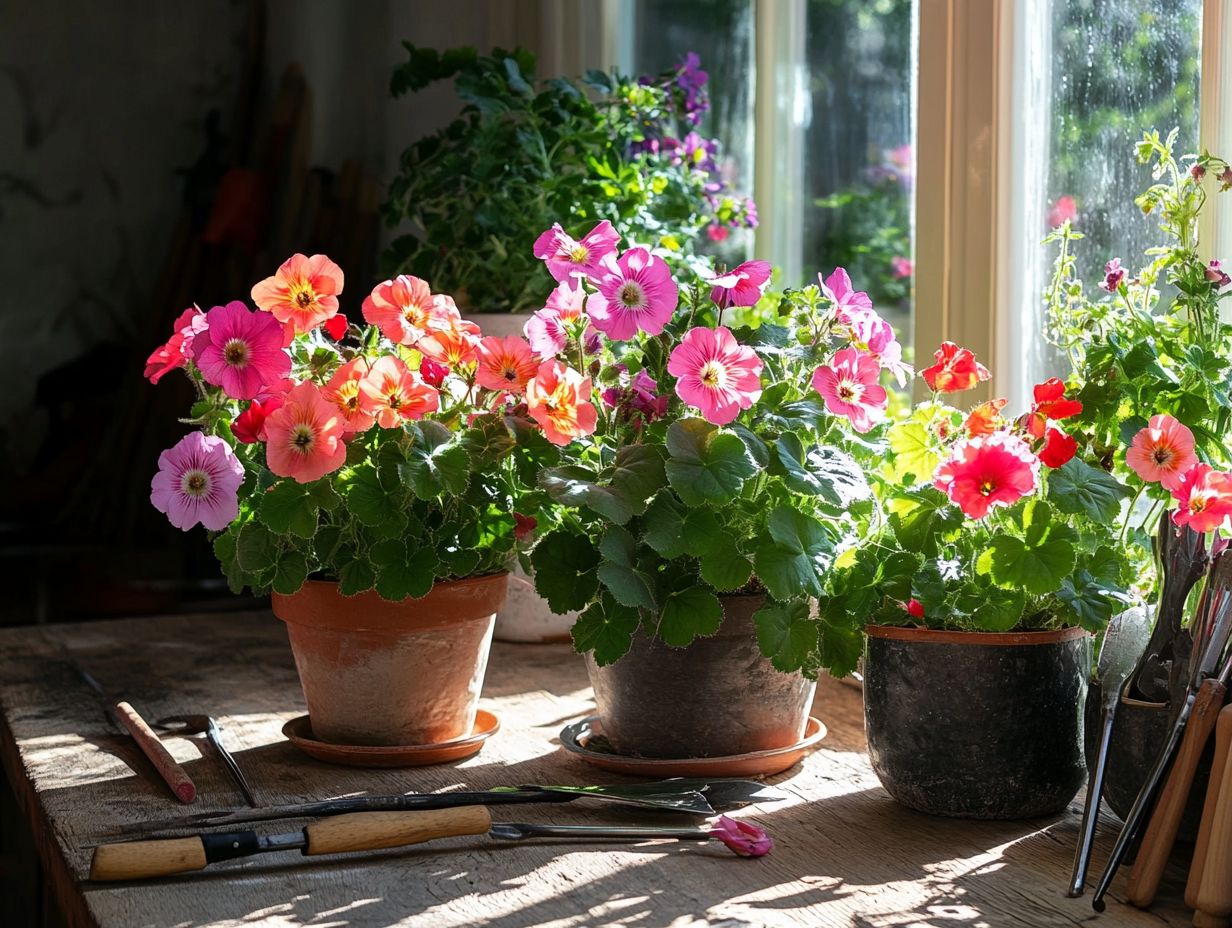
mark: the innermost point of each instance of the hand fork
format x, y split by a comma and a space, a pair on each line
205, 724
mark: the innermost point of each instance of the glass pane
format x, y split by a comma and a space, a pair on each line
721, 33
858, 149
1119, 67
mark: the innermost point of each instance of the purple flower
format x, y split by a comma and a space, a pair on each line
197, 481
743, 285
698, 153
1216, 274
745, 838
1113, 275
691, 80
1225, 178
635, 400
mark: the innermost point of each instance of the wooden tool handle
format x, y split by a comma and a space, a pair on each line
370, 831
171, 772
1215, 889
1166, 819
136, 860
1223, 743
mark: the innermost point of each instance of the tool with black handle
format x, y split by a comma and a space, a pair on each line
360, 831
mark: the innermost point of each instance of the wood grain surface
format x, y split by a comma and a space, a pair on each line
845, 854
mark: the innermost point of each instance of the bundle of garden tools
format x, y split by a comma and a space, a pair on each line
1184, 669
362, 823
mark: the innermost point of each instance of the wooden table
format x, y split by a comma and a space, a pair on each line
845, 853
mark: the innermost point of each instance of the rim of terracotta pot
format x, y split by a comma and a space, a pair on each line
450, 602
946, 636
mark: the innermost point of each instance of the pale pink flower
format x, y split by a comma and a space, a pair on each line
636, 293
240, 350
197, 481
849, 386
715, 374
838, 290
743, 285
568, 257
546, 329
303, 436
901, 268
876, 336
1065, 208
404, 309
1162, 452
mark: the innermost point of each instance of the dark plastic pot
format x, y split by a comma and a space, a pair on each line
977, 724
717, 697
1139, 732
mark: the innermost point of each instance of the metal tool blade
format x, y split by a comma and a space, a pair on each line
517, 831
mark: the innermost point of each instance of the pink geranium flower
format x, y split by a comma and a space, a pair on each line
1114, 274
746, 839
343, 391
505, 363
838, 290
1204, 497
197, 481
546, 329
992, 470
304, 436
901, 268
558, 398
392, 393
743, 285
1162, 452
567, 257
871, 333
178, 348
452, 342
240, 350
715, 374
1065, 208
405, 310
303, 292
636, 293
849, 386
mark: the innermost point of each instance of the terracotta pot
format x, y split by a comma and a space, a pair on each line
717, 697
526, 616
977, 724
392, 673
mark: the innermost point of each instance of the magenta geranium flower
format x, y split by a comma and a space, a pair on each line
635, 292
568, 257
197, 481
715, 374
1114, 274
846, 299
743, 285
545, 330
745, 838
240, 350
992, 470
849, 386
876, 336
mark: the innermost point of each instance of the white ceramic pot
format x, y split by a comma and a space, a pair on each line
526, 616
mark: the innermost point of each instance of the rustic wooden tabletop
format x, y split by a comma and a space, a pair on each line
845, 853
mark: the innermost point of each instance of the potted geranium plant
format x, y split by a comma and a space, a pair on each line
996, 557
706, 488
369, 476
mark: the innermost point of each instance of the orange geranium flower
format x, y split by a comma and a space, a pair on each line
505, 363
558, 398
453, 342
343, 391
405, 310
985, 418
303, 292
956, 370
391, 393
304, 436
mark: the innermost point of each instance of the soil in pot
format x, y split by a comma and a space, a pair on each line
376, 672
975, 724
717, 697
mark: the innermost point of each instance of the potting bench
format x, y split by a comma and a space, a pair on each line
845, 853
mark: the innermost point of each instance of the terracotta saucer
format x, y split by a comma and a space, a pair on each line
299, 733
576, 739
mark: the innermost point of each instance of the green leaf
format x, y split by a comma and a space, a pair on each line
922, 518
572, 485
290, 573
565, 570
998, 610
724, 567
366, 499
706, 464
487, 441
786, 634
839, 647
355, 577
798, 532
630, 582
323, 494
286, 508
688, 614
914, 454
1012, 562
821, 471
1077, 487
637, 475
793, 562
256, 549
662, 526
408, 574
435, 464
607, 629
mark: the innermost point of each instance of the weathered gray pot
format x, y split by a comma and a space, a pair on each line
976, 724
717, 697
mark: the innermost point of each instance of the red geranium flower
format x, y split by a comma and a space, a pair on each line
1058, 448
993, 470
1050, 403
956, 370
335, 326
